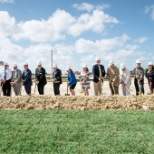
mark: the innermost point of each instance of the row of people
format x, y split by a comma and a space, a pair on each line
17, 78
115, 76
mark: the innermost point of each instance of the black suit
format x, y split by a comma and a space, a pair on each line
96, 72
56, 85
27, 80
40, 76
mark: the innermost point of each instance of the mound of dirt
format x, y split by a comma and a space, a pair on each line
77, 103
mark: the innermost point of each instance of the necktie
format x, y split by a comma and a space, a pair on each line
15, 74
4, 74
100, 73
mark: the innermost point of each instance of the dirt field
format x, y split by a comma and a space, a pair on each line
79, 102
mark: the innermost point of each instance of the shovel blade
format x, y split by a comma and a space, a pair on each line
67, 94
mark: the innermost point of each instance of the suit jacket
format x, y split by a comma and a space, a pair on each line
16, 77
96, 73
114, 75
57, 75
40, 75
27, 77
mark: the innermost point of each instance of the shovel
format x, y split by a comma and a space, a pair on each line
1, 89
67, 94
138, 81
11, 90
35, 88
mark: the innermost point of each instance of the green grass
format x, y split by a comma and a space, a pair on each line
76, 132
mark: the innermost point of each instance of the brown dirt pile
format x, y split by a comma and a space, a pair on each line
77, 103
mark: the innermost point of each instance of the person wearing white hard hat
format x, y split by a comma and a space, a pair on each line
84, 80
27, 79
72, 81
125, 80
113, 77
16, 80
57, 79
138, 74
5, 78
98, 71
40, 78
150, 77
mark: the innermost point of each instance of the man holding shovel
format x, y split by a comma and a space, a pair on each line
40, 78
138, 73
113, 77
125, 80
98, 71
57, 79
16, 80
27, 79
5, 77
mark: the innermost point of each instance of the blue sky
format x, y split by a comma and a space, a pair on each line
77, 32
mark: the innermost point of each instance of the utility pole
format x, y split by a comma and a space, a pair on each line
51, 61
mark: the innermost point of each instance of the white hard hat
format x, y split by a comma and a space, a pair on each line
123, 66
54, 66
39, 63
111, 62
98, 58
84, 65
68, 68
150, 63
138, 61
6, 64
15, 65
25, 64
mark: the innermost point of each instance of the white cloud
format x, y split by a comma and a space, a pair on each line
7, 24
103, 7
104, 45
132, 47
6, 1
94, 22
89, 7
141, 39
84, 6
44, 30
150, 10
11, 52
60, 24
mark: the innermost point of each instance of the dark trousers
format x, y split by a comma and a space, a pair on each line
40, 88
139, 86
28, 90
56, 88
6, 88
151, 86
114, 89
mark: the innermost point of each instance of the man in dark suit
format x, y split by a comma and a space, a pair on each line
40, 78
27, 79
57, 79
98, 75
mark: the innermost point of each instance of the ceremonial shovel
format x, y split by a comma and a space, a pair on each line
67, 94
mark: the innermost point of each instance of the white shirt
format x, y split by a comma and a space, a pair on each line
125, 77
8, 74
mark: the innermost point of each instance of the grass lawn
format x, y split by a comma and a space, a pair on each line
76, 132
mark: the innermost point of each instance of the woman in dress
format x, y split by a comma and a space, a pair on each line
150, 77
84, 80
